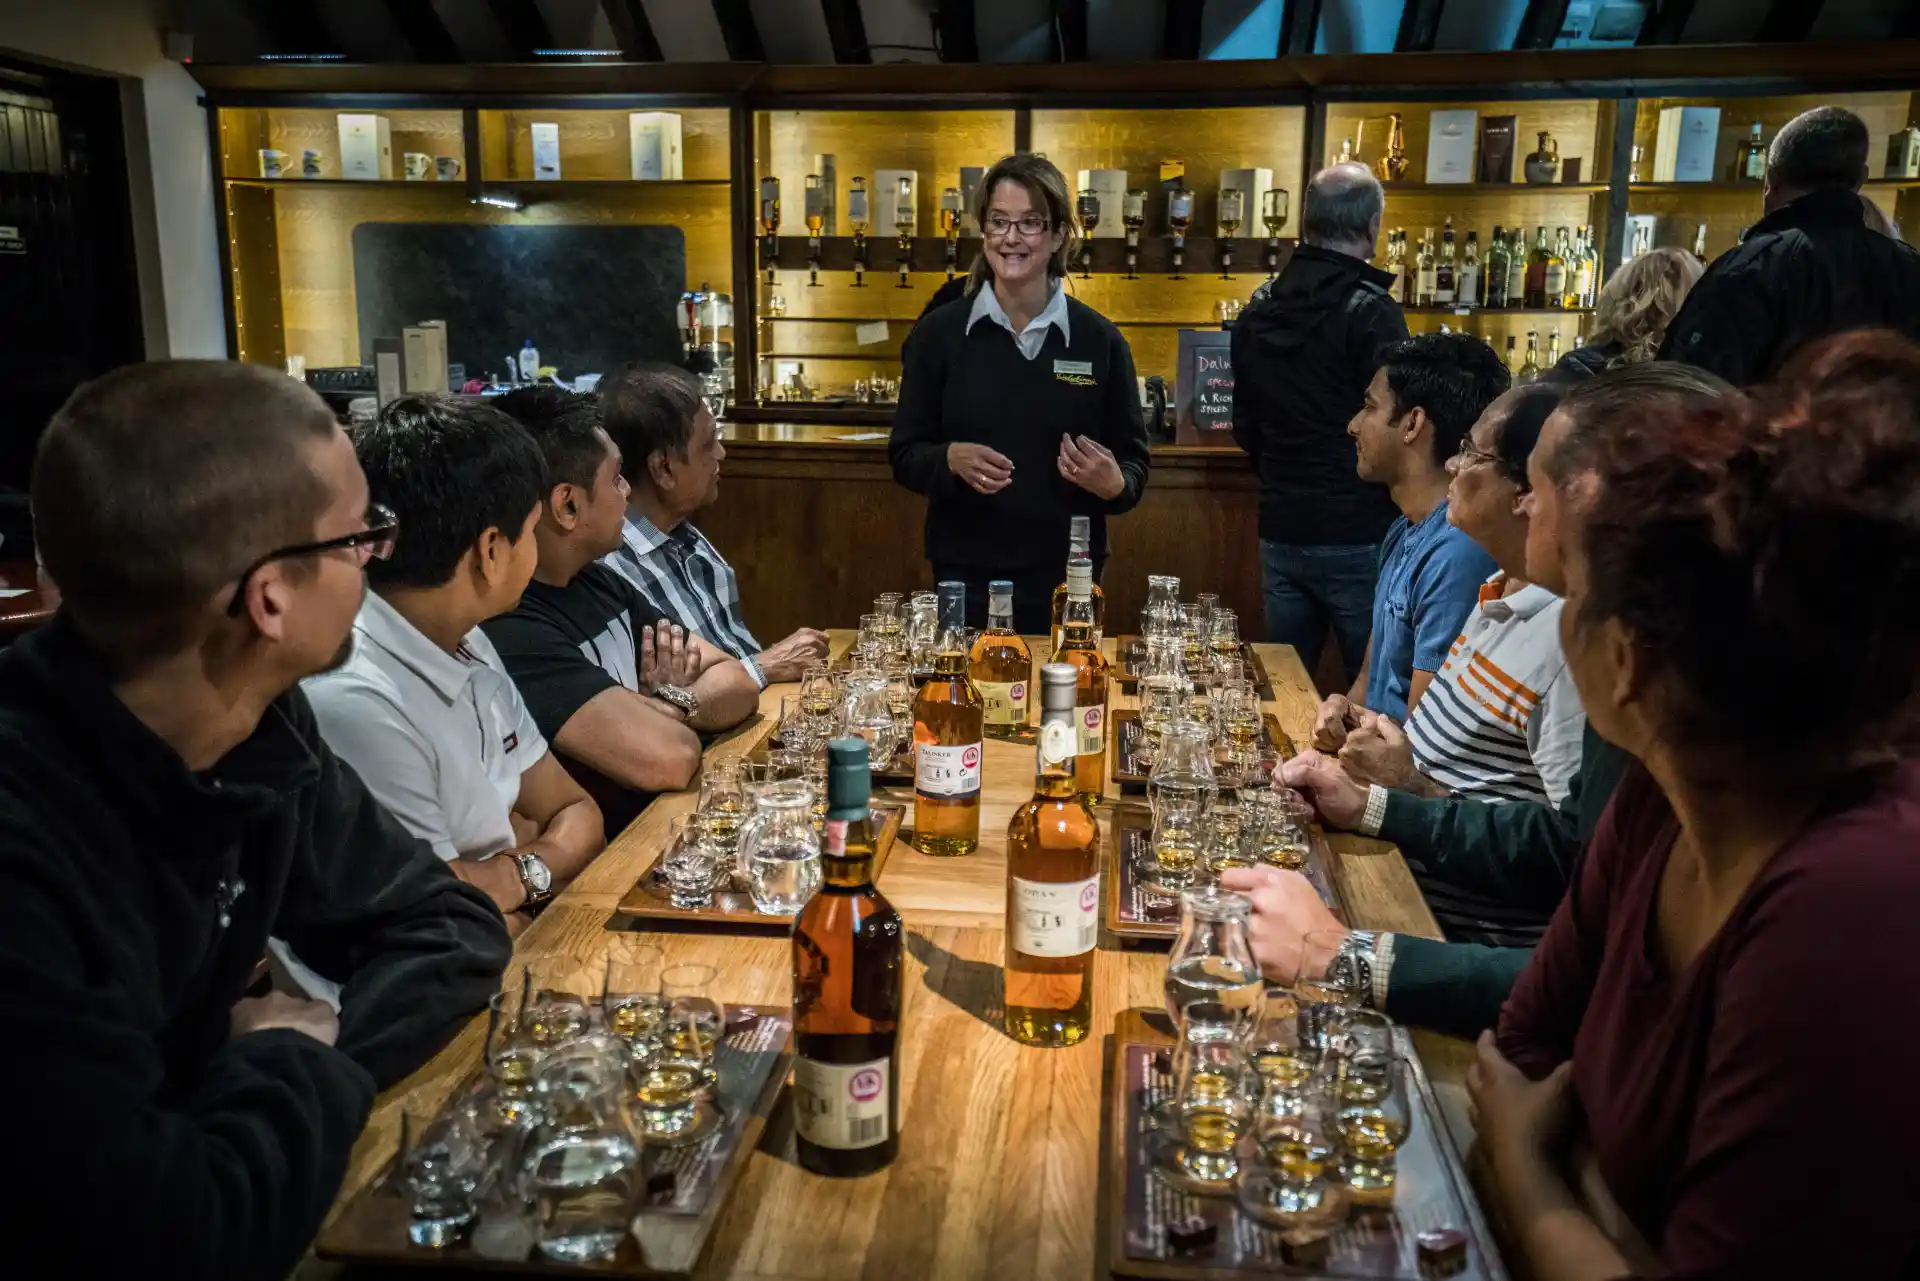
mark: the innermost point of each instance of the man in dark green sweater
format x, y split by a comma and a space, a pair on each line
1524, 852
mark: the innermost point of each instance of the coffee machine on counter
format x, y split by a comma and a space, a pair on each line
706, 327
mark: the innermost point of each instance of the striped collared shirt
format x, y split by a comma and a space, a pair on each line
686, 578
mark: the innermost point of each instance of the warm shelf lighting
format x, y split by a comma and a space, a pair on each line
500, 202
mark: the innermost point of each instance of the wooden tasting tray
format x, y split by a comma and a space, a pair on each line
667, 1239
897, 772
1139, 909
1130, 774
1376, 1243
650, 899
1129, 680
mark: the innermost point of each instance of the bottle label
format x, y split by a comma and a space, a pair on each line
1056, 918
1556, 280
833, 840
1058, 742
1093, 722
1006, 703
946, 771
844, 1106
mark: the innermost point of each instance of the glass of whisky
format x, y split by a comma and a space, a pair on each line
1370, 1091
691, 865
1297, 1137
1212, 1113
723, 798
630, 997
1324, 1000
1177, 838
695, 1020
557, 1004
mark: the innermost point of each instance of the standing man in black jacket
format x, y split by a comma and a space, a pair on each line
1810, 267
166, 803
1303, 355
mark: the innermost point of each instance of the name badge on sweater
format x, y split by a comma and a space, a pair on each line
1077, 372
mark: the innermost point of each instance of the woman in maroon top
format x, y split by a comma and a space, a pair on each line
1725, 1011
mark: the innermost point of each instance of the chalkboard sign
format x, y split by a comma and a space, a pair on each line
1203, 386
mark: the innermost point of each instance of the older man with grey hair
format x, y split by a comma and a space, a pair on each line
1304, 351
1809, 268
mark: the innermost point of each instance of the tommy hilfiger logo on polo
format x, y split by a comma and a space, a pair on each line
510, 742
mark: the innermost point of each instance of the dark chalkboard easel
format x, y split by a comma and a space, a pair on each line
1203, 386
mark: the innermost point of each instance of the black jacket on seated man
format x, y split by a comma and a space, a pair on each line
135, 899
1304, 351
1810, 268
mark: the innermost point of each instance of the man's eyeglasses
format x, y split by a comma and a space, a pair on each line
375, 542
998, 226
1471, 457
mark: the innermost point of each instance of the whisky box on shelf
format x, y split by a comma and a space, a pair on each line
1903, 154
654, 137
546, 152
1111, 186
1496, 149
424, 367
1685, 145
366, 147
1450, 146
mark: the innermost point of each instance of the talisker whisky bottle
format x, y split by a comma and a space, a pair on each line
947, 729
1053, 885
1079, 544
847, 968
1079, 651
1001, 666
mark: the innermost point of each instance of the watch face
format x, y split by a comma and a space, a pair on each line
538, 875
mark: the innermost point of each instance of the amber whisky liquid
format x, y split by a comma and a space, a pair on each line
948, 725
1001, 667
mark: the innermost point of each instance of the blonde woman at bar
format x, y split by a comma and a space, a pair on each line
1632, 314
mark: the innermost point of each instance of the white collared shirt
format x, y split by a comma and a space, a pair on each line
1031, 339
440, 739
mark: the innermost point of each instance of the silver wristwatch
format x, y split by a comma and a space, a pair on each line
536, 876
679, 696
1352, 965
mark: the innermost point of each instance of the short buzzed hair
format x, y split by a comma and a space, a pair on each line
158, 484
1594, 406
566, 426
649, 406
1825, 147
1344, 203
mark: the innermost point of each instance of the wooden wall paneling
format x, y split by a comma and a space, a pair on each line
1199, 520
496, 147
1573, 122
1884, 112
243, 132
316, 241
258, 290
595, 146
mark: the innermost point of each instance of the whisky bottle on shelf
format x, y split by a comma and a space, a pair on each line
1001, 666
1079, 650
903, 226
847, 970
1498, 265
1444, 289
1179, 219
1512, 361
1469, 286
1537, 264
1079, 546
947, 730
1553, 349
1233, 212
1529, 368
950, 226
1088, 207
1053, 881
1273, 216
1426, 271
1585, 267
1133, 217
1517, 267
1558, 273
1700, 244
857, 224
815, 207
769, 226
1750, 158
1396, 266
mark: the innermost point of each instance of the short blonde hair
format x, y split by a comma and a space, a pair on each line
1046, 186
1640, 301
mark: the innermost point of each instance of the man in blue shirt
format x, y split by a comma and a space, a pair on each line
1419, 407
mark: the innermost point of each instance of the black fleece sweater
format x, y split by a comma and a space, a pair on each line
210, 1156
976, 387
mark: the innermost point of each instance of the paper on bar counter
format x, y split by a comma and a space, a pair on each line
873, 331
863, 435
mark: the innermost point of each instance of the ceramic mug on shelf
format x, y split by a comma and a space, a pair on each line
419, 166
273, 164
448, 167
311, 164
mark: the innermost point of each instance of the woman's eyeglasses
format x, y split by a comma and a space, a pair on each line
375, 542
1031, 225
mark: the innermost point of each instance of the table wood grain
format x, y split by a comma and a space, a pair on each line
998, 1171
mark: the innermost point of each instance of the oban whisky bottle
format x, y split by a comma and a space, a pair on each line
1002, 667
1079, 544
947, 729
847, 968
1053, 885
1078, 650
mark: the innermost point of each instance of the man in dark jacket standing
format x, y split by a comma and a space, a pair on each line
1810, 267
1303, 355
166, 803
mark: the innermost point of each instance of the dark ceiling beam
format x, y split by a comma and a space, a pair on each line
955, 32
1181, 39
846, 30
632, 31
423, 31
1665, 22
1789, 21
1299, 26
293, 26
1907, 25
739, 30
1419, 24
524, 26
1070, 30
1540, 24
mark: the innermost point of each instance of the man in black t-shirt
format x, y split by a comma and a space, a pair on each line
615, 686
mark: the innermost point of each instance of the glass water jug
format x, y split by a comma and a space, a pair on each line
779, 859
1182, 774
1212, 958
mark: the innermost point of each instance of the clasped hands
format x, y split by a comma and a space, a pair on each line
1083, 461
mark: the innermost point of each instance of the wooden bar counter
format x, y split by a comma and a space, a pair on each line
815, 526
998, 1174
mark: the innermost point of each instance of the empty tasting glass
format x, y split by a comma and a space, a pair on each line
1324, 1002
1370, 1091
1160, 616
779, 858
1208, 602
796, 732
442, 1161
691, 865
1212, 958
1212, 1112
1163, 700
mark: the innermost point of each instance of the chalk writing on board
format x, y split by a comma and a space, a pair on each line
1212, 388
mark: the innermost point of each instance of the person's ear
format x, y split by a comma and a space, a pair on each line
660, 470
1627, 663
1413, 425
564, 506
490, 556
268, 598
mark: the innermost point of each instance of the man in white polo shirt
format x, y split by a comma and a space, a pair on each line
423, 710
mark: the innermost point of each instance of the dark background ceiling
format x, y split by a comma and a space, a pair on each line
860, 31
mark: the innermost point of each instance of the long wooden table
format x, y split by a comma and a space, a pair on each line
998, 1172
